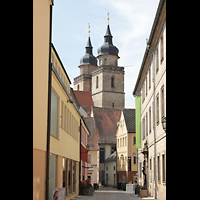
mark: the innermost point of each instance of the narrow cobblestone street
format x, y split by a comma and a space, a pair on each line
109, 193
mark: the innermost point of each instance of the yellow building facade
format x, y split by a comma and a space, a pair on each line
65, 133
126, 150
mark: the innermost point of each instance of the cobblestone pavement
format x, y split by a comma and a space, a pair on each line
109, 193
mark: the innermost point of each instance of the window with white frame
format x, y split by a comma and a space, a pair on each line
54, 114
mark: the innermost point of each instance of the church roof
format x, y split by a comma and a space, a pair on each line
106, 124
84, 99
108, 48
88, 58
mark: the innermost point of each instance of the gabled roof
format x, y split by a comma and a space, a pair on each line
85, 99
106, 124
129, 116
112, 157
92, 138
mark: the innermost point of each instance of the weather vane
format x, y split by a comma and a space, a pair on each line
89, 29
108, 17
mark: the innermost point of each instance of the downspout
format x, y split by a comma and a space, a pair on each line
80, 158
49, 110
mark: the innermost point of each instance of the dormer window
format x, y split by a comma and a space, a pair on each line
105, 61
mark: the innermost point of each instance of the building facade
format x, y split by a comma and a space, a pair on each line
151, 86
65, 133
126, 150
41, 51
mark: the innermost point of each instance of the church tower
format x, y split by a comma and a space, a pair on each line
108, 78
87, 64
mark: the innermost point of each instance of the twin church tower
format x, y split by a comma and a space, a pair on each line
106, 80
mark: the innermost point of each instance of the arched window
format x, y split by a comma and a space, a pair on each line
112, 81
97, 82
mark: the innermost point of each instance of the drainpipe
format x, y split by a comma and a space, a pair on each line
80, 158
154, 122
48, 110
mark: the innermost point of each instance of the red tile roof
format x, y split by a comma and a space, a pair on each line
106, 124
92, 138
85, 99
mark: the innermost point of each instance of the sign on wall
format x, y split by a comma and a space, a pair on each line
58, 194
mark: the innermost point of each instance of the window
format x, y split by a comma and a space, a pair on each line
89, 158
113, 105
54, 115
157, 108
146, 86
134, 140
112, 82
102, 155
64, 173
161, 49
105, 61
163, 168
52, 173
74, 175
158, 168
150, 120
78, 87
146, 124
143, 128
150, 77
69, 176
125, 141
157, 60
150, 167
97, 82
129, 163
113, 149
134, 160
65, 119
61, 115
162, 102
118, 143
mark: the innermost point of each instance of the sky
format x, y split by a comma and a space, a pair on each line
130, 23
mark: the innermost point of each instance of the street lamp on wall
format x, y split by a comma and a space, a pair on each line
88, 147
164, 123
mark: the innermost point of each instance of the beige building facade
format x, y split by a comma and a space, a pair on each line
126, 150
153, 108
41, 50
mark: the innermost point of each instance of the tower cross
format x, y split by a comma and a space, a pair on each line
89, 29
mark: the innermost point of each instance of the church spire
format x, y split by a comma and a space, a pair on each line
88, 58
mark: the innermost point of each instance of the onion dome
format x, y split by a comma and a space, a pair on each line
108, 48
88, 58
